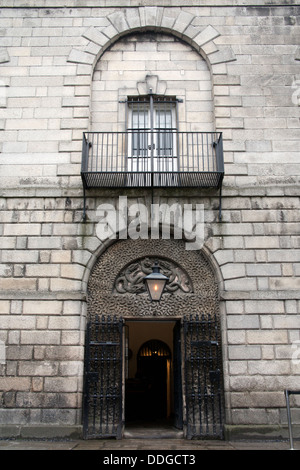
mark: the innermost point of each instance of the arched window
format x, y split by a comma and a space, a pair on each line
154, 348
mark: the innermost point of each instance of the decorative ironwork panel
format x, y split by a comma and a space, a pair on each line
103, 378
203, 377
173, 159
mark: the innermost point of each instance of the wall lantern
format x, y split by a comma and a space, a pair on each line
156, 282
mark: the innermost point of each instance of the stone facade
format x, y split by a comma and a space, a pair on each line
65, 67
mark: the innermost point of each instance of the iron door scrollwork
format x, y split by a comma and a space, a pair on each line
102, 410
203, 377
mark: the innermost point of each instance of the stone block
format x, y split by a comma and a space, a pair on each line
16, 284
150, 15
168, 19
57, 284
61, 384
118, 20
44, 243
287, 322
233, 101
72, 271
22, 229
133, 18
64, 322
4, 56
183, 20
263, 269
36, 368
269, 367
42, 307
17, 322
267, 337
224, 256
70, 101
71, 368
41, 337
235, 306
224, 55
45, 135
236, 337
232, 271
241, 284
71, 338
64, 353
233, 229
74, 123
287, 283
233, 242
243, 322
237, 368
15, 383
81, 57
244, 352
261, 242
208, 34
61, 256
94, 35
15, 352
4, 306
264, 306
42, 270
283, 256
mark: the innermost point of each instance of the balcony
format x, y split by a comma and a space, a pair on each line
152, 159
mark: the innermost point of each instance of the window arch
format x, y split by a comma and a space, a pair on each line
154, 348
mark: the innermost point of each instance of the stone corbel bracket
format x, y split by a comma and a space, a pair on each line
152, 84
153, 19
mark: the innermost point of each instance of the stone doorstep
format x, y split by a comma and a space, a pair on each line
154, 432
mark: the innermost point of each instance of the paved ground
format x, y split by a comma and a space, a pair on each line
173, 446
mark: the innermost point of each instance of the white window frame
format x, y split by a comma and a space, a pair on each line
150, 157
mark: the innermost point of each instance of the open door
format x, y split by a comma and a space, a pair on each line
178, 420
203, 377
153, 386
102, 404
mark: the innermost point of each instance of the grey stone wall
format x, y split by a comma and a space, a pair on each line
50, 70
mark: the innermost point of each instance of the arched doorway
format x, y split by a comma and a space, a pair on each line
117, 299
148, 395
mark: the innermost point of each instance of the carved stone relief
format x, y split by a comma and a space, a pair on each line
116, 282
131, 279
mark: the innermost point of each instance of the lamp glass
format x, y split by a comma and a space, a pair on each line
155, 288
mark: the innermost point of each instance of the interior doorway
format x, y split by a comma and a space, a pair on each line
153, 395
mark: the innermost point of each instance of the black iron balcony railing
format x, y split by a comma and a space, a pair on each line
160, 158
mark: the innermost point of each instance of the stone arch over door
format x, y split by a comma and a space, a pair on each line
199, 294
115, 294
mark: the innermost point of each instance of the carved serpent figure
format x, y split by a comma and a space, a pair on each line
131, 279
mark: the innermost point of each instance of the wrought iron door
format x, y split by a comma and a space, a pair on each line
178, 419
203, 377
102, 406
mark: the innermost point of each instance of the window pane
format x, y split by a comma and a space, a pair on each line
163, 119
164, 140
139, 139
